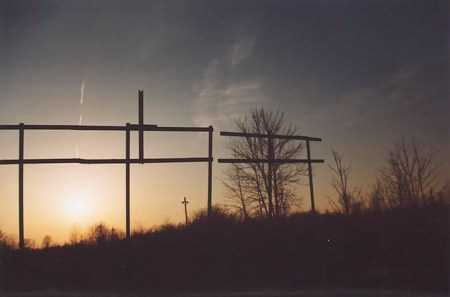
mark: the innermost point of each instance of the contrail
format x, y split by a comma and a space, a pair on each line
82, 93
80, 121
81, 100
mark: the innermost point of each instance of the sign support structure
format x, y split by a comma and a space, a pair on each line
272, 160
128, 128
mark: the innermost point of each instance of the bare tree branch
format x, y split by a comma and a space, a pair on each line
266, 190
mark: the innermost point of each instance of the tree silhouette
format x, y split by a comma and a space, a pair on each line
348, 199
261, 189
46, 241
409, 177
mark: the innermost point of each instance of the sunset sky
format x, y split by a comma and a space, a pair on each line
359, 74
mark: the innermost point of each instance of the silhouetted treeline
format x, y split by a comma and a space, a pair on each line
400, 248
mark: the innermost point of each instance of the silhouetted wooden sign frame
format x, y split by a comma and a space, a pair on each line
128, 128
271, 160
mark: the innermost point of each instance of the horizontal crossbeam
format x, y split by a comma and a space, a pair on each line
270, 161
181, 129
133, 127
258, 135
74, 127
105, 161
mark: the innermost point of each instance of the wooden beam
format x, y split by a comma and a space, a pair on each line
107, 161
180, 129
133, 127
127, 182
9, 162
21, 162
141, 125
310, 174
9, 127
76, 127
271, 157
294, 137
267, 161
210, 156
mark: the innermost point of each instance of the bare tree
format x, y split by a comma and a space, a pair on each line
409, 177
75, 236
237, 189
30, 243
377, 197
261, 189
443, 195
6, 241
46, 242
341, 174
100, 234
2, 237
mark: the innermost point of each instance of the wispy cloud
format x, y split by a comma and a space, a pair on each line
218, 98
219, 95
398, 99
241, 50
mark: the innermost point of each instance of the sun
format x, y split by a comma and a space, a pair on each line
78, 208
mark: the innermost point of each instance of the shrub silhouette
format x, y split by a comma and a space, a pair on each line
398, 248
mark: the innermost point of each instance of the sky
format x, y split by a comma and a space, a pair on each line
362, 75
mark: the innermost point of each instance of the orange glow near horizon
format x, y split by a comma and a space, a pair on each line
61, 199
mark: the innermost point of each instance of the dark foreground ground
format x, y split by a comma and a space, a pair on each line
403, 250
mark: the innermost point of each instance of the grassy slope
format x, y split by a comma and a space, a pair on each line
402, 249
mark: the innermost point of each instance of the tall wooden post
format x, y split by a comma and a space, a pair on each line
210, 156
270, 173
141, 126
311, 185
185, 202
21, 153
127, 181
